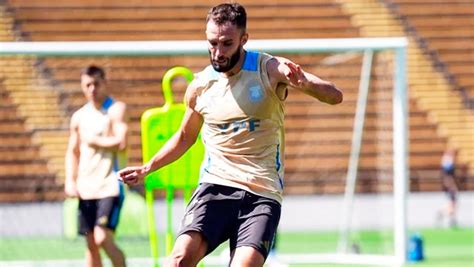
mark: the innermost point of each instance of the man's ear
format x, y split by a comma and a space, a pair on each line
244, 39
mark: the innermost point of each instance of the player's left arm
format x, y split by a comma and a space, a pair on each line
117, 140
282, 70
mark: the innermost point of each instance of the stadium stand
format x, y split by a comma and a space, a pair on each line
436, 91
445, 34
25, 175
316, 165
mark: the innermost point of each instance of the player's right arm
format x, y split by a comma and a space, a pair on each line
72, 158
283, 70
174, 148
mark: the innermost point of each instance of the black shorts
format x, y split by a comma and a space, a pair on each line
223, 213
448, 170
103, 212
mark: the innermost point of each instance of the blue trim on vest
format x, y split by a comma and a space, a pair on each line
281, 182
277, 159
205, 168
278, 165
115, 163
107, 103
251, 61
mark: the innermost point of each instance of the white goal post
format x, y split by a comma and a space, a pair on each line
397, 45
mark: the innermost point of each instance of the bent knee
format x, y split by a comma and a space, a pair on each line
178, 259
99, 240
101, 236
247, 256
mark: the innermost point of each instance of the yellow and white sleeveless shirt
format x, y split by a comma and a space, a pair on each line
97, 174
243, 130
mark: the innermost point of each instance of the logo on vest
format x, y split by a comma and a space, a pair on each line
255, 94
250, 125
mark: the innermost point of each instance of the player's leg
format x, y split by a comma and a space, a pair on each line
87, 217
92, 252
209, 218
258, 222
247, 257
108, 213
188, 250
104, 238
451, 209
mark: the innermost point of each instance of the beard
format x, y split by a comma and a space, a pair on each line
228, 65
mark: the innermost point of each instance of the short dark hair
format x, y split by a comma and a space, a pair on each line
94, 71
229, 12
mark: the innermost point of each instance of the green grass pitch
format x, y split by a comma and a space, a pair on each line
442, 247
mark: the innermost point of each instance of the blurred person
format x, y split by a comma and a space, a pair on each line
238, 101
97, 142
448, 181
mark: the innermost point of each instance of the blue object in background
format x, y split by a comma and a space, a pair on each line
415, 248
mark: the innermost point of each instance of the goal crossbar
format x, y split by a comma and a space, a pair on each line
195, 47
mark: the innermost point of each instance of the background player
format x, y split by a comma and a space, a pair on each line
97, 136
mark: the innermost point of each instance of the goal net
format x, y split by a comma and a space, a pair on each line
346, 165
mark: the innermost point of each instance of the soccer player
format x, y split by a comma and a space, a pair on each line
448, 180
238, 101
97, 138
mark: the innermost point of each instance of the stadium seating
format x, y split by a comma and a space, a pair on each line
435, 90
25, 175
445, 33
451, 51
316, 157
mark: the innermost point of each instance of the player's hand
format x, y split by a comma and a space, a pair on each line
90, 140
295, 75
70, 189
132, 175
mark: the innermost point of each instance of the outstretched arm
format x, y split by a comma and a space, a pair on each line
181, 141
282, 70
